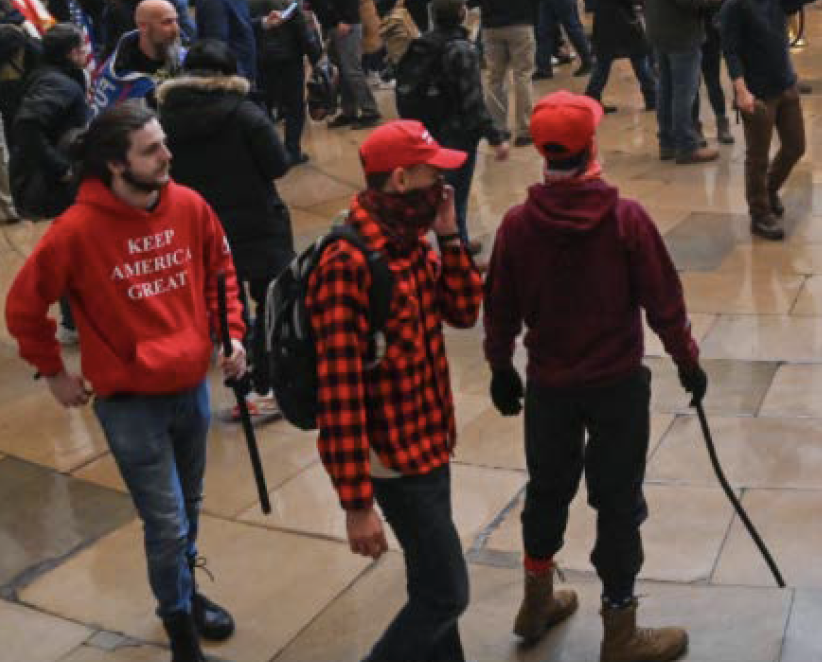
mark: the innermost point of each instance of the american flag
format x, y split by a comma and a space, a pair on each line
81, 20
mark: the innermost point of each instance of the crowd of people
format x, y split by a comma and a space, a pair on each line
149, 133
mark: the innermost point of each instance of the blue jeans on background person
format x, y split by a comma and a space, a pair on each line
159, 444
566, 13
187, 28
642, 69
461, 179
679, 76
418, 509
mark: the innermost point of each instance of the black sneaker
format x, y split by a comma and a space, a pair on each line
767, 226
366, 122
212, 621
340, 121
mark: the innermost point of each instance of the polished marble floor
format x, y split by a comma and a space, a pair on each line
72, 578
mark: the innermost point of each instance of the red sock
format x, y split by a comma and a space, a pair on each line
538, 567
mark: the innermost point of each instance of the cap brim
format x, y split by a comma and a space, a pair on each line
448, 159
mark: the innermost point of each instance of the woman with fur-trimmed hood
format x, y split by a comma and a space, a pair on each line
225, 148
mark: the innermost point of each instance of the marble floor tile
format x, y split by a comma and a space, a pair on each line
63, 438
312, 187
802, 640
703, 241
268, 579
765, 338
309, 504
809, 301
492, 440
754, 452
132, 653
700, 325
734, 387
682, 536
755, 293
47, 515
229, 481
769, 258
725, 624
28, 635
786, 520
795, 392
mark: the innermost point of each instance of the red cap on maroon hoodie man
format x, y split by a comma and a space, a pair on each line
563, 125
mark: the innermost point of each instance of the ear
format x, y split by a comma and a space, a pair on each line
398, 182
116, 168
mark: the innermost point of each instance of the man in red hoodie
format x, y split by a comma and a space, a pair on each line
576, 263
138, 257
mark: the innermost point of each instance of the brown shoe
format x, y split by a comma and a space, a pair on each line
767, 226
699, 155
625, 642
542, 607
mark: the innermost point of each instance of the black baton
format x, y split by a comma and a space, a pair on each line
709, 442
245, 417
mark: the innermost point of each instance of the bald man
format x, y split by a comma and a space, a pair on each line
143, 57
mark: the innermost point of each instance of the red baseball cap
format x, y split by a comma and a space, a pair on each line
565, 119
406, 143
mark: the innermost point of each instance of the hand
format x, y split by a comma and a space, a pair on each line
233, 366
446, 220
273, 19
507, 391
343, 29
745, 101
69, 390
365, 533
695, 381
502, 150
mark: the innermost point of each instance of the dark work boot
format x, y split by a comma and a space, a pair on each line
723, 131
182, 634
775, 201
767, 226
213, 621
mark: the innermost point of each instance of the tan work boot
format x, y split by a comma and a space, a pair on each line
542, 607
625, 642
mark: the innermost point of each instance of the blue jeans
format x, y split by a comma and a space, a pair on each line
187, 28
565, 13
642, 70
461, 179
159, 444
418, 508
679, 75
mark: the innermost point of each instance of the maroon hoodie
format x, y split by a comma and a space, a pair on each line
575, 263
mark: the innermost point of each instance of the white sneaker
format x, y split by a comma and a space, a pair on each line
66, 336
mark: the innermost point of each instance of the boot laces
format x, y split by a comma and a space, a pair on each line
200, 563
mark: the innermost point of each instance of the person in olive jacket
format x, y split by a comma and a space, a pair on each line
619, 32
226, 149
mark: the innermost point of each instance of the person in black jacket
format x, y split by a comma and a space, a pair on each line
52, 109
226, 149
469, 120
619, 32
282, 46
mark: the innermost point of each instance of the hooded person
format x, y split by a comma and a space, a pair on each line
210, 121
576, 263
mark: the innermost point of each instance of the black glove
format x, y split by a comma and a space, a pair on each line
695, 381
507, 391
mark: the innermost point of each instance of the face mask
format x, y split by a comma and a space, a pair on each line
405, 217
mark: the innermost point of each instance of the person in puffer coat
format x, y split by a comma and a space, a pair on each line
226, 149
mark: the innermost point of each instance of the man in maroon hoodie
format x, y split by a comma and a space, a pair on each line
575, 263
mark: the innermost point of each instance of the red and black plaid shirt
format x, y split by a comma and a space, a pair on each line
403, 408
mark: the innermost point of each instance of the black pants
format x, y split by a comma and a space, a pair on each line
283, 87
711, 73
418, 508
616, 418
255, 335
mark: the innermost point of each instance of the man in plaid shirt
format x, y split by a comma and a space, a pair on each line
387, 431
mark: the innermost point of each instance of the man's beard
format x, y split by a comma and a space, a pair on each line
142, 185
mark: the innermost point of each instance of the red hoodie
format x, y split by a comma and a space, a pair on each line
142, 287
575, 263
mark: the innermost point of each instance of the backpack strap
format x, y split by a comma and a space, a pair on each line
379, 294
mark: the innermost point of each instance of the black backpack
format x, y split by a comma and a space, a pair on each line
322, 90
422, 89
290, 343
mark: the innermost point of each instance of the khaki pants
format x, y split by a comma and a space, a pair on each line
7, 211
511, 48
784, 113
